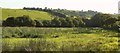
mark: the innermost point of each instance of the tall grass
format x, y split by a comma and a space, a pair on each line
76, 44
48, 32
59, 39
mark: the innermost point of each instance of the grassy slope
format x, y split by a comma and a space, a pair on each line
39, 15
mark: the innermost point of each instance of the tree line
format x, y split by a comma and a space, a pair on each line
22, 21
106, 21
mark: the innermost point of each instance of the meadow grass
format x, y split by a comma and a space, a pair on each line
60, 39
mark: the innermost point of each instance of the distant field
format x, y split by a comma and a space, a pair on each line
59, 39
39, 15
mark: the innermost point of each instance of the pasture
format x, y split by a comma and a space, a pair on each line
37, 15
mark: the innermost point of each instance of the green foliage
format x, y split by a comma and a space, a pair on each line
79, 22
118, 23
19, 21
63, 22
103, 19
46, 23
76, 22
10, 21
106, 21
24, 21
70, 13
56, 22
70, 22
38, 23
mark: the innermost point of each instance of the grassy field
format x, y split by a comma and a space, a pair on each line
59, 39
38, 15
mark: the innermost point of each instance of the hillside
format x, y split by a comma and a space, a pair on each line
64, 12
39, 15
82, 13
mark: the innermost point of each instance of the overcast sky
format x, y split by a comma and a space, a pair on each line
105, 6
